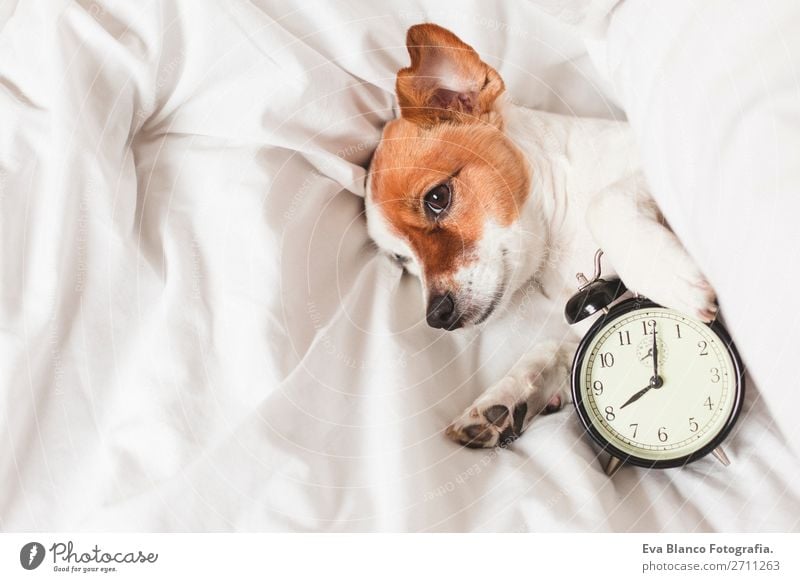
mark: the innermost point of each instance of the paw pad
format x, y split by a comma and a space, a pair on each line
497, 426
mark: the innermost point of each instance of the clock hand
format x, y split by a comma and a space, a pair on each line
647, 355
655, 377
638, 395
655, 382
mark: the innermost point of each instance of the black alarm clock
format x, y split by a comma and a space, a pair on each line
652, 386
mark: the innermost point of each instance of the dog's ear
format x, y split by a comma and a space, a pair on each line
447, 80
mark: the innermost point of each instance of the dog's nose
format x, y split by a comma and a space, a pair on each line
442, 312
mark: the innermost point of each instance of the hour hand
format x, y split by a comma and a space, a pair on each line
638, 395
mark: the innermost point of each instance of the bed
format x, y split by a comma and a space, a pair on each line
198, 335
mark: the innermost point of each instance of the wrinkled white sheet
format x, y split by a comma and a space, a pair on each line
195, 332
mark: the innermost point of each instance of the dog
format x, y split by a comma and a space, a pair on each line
477, 196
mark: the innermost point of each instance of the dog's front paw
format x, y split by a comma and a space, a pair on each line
702, 300
501, 415
693, 295
497, 425
676, 284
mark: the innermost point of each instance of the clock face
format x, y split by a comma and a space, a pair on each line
657, 385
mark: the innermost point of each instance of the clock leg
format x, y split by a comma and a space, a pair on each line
719, 453
613, 465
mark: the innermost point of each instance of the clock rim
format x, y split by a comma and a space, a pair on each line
636, 304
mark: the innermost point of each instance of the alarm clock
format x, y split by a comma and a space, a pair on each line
652, 386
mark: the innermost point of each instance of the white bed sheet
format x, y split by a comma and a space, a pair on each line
196, 333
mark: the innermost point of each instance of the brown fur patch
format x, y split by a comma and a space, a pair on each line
489, 181
470, 86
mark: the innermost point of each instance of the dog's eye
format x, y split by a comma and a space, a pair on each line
437, 200
400, 259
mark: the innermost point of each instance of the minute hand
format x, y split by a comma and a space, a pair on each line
655, 358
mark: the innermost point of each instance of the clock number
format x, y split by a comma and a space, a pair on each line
693, 426
708, 403
597, 386
651, 323
662, 434
714, 375
610, 413
635, 427
606, 360
624, 340
703, 345
678, 329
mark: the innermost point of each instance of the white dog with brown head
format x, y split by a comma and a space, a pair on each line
477, 196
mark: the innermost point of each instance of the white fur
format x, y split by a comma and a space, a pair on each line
382, 235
